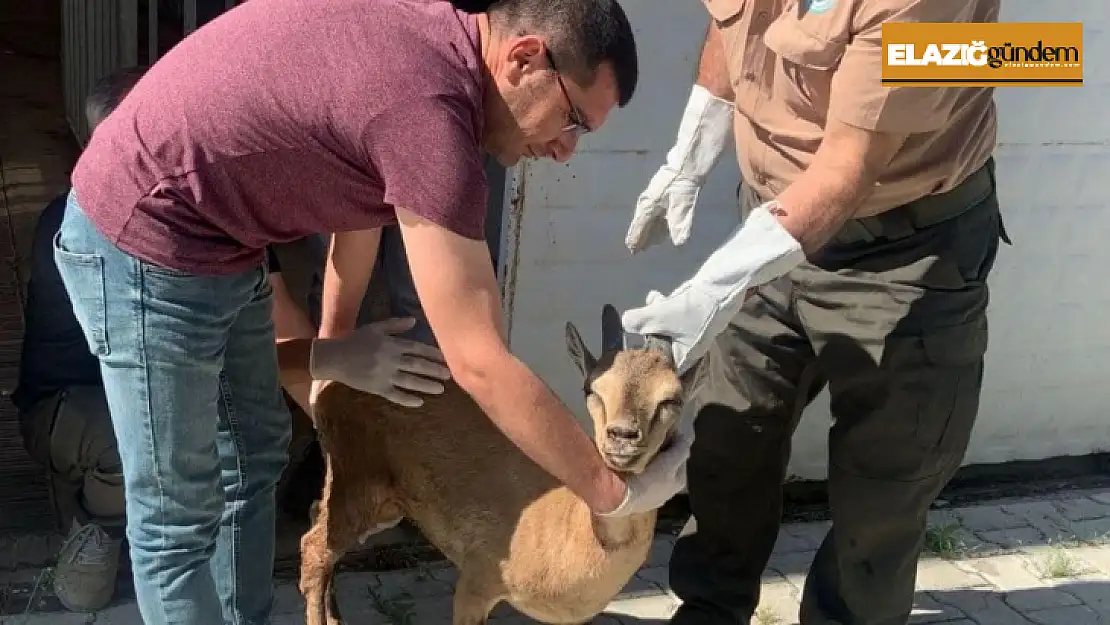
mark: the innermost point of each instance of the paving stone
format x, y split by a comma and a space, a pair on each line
987, 518
1015, 538
516, 618
942, 518
661, 550
658, 575
787, 542
1095, 594
124, 614
1024, 590
355, 584
1069, 615
1036, 599
1097, 530
1082, 509
937, 574
928, 610
793, 566
984, 606
50, 618
287, 599
1043, 516
1096, 556
430, 610
810, 534
639, 586
969, 544
779, 598
447, 574
417, 583
659, 607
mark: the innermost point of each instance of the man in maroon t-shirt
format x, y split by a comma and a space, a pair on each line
284, 118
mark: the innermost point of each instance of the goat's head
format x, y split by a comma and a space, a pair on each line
633, 395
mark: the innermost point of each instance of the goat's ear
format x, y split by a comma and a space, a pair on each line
578, 351
612, 329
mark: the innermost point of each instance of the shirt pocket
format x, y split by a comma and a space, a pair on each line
807, 55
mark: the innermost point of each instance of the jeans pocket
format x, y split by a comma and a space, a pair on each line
83, 276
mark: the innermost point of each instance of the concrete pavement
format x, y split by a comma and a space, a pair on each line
1044, 561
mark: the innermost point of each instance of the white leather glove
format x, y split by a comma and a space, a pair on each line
759, 251
371, 359
669, 199
663, 478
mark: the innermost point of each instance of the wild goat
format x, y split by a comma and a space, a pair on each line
514, 533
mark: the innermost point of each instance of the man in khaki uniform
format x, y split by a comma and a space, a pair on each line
871, 224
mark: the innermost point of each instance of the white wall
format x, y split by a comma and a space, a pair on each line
1047, 366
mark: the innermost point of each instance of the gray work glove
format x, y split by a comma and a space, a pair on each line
667, 204
692, 316
371, 359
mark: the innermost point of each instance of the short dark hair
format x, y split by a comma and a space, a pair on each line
108, 91
581, 34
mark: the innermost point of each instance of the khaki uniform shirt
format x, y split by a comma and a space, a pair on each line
792, 68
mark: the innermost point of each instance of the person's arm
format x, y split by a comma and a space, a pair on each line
440, 197
839, 179
712, 73
347, 271
458, 290
290, 320
867, 123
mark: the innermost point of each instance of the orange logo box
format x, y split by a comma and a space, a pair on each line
995, 54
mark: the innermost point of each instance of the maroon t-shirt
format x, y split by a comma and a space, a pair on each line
283, 118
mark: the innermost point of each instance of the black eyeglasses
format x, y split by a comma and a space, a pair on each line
577, 123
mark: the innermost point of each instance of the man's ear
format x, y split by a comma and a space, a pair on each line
525, 53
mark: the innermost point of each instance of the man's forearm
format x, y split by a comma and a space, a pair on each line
532, 416
713, 65
347, 272
829, 192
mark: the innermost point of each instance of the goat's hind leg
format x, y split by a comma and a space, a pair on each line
347, 509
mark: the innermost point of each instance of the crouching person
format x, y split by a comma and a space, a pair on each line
63, 412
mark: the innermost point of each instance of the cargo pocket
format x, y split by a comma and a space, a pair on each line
83, 275
951, 380
910, 418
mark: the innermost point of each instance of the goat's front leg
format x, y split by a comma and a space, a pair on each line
476, 594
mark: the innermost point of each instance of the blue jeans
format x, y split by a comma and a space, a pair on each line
190, 372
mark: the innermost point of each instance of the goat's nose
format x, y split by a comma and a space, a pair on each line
623, 433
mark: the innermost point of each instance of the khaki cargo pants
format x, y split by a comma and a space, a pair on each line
892, 317
70, 434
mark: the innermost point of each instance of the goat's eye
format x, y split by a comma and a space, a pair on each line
669, 404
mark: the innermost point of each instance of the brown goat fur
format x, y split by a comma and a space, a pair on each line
514, 533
